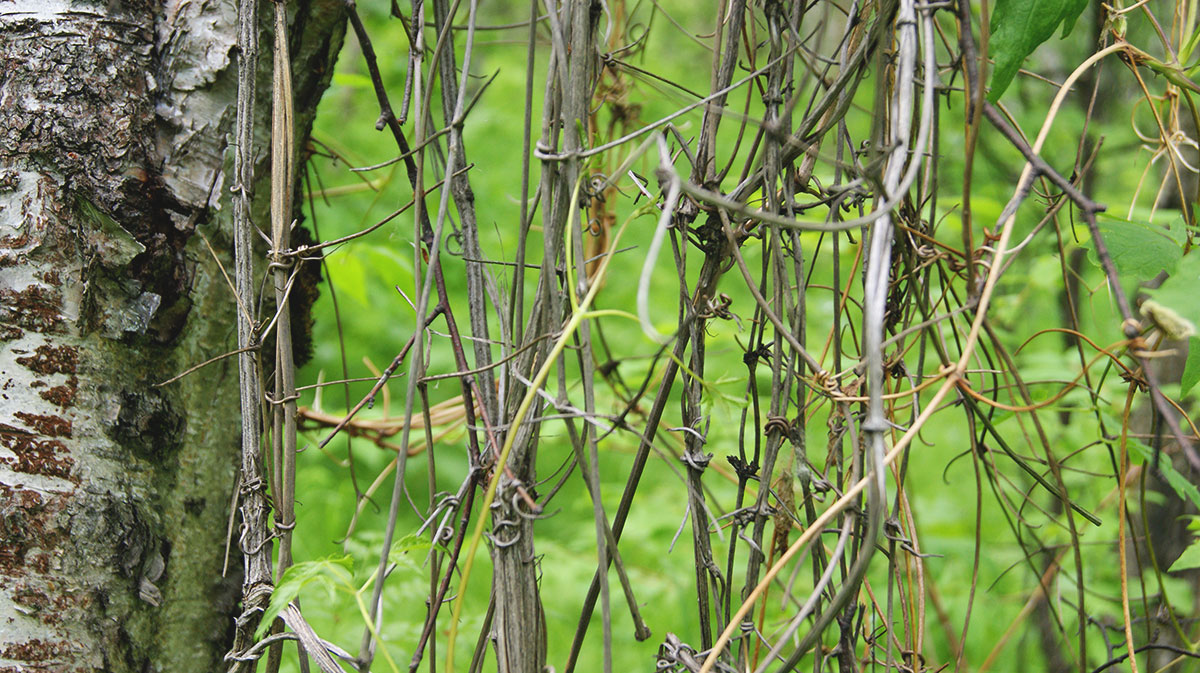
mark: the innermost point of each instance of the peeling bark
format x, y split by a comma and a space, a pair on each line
115, 493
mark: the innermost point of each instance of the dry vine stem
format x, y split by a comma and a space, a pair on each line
799, 194
253, 540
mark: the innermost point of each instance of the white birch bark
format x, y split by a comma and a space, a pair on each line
114, 493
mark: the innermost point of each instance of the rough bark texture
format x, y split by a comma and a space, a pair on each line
115, 494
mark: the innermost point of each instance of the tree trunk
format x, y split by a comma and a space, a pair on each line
114, 492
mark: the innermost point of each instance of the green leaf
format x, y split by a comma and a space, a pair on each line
1185, 54
333, 572
406, 544
1183, 487
1018, 27
1191, 368
1190, 558
1174, 306
1138, 250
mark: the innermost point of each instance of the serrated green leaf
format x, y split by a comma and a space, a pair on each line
332, 572
1174, 306
1190, 558
1018, 27
1183, 487
1139, 251
1191, 368
406, 544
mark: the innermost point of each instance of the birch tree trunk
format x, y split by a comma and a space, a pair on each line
114, 492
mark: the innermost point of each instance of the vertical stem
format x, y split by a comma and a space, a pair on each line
282, 181
253, 540
283, 405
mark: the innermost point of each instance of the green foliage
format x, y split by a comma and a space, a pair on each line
333, 573
1139, 250
1173, 306
336, 574
1190, 558
1019, 27
1191, 368
1183, 487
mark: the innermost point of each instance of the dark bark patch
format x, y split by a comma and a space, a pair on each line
35, 307
61, 396
305, 292
46, 608
39, 561
195, 506
18, 242
36, 650
148, 425
139, 278
168, 322
163, 269
9, 179
50, 426
87, 108
47, 457
88, 114
25, 525
124, 524
32, 600
49, 360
